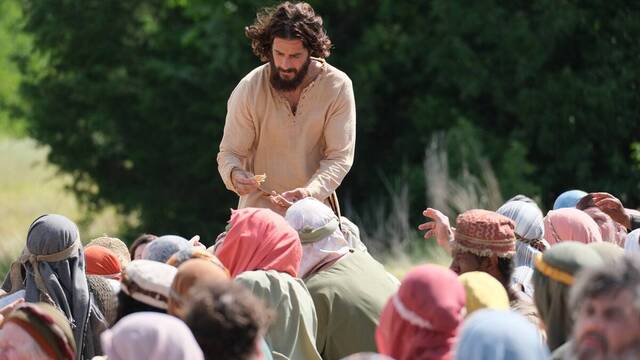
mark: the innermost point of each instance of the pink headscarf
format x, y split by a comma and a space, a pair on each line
421, 321
260, 239
570, 224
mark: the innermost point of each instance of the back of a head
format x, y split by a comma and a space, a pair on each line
499, 335
483, 291
568, 199
47, 326
148, 335
145, 284
554, 273
191, 273
162, 248
227, 321
114, 244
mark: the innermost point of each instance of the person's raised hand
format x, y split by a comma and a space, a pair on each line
243, 181
287, 198
437, 227
613, 207
7, 309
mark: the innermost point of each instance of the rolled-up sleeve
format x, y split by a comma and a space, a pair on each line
340, 140
239, 135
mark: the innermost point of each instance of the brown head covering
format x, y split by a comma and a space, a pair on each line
48, 327
190, 273
485, 233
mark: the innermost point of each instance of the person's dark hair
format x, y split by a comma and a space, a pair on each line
141, 240
288, 21
226, 320
608, 280
505, 267
128, 305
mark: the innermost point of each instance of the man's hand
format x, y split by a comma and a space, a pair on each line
610, 205
287, 198
243, 181
439, 228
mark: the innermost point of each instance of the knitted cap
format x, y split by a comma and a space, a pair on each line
485, 233
48, 327
106, 298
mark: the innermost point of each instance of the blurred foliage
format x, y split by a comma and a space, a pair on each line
133, 96
14, 44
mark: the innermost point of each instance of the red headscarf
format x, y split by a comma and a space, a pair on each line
260, 239
421, 321
102, 261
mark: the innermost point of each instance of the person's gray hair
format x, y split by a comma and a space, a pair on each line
608, 280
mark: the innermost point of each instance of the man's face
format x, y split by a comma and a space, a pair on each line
289, 63
464, 262
17, 344
607, 326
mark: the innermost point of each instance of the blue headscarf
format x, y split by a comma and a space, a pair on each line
568, 199
499, 335
163, 247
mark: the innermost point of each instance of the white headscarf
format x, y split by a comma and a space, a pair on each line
529, 227
322, 240
632, 243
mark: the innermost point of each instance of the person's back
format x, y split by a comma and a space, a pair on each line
349, 295
292, 333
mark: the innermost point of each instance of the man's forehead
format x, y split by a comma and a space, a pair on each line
613, 299
289, 46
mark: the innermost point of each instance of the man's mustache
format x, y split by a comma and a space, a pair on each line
290, 70
602, 341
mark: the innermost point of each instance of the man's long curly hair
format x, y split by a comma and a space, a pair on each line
288, 21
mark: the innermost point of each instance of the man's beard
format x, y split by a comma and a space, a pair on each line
281, 84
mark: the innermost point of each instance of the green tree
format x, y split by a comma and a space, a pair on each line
133, 98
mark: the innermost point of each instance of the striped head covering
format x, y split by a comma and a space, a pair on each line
47, 326
485, 233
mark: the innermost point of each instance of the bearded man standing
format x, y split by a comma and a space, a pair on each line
292, 119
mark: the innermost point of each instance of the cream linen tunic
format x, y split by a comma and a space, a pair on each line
312, 149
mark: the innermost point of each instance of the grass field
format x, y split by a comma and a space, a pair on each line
30, 187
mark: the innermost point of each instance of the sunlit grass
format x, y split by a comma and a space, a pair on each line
30, 187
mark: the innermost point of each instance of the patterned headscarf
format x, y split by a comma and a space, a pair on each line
163, 247
485, 233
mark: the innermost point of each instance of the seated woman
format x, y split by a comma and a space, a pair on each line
421, 320
262, 252
146, 286
349, 287
36, 331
